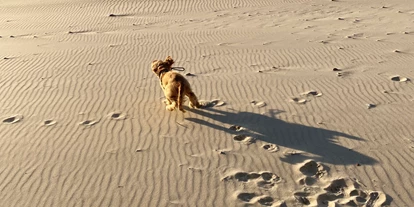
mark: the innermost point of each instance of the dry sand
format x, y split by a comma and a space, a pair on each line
308, 111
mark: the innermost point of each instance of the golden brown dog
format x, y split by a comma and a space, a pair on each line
174, 85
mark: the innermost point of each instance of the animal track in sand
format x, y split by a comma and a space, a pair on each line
338, 186
327, 192
236, 128
88, 122
299, 100
262, 179
311, 93
264, 200
313, 169
13, 119
265, 180
252, 198
117, 116
305, 97
118, 15
245, 139
375, 198
270, 147
258, 104
398, 78
212, 103
49, 122
242, 176
246, 197
301, 197
307, 181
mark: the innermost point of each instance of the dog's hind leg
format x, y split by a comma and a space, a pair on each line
193, 100
180, 98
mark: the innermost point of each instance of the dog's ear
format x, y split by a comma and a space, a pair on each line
154, 66
169, 60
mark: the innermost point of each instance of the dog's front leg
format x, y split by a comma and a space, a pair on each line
167, 101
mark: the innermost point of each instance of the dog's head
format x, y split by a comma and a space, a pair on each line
158, 65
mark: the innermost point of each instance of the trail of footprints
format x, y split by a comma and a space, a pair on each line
49, 122
248, 139
316, 189
265, 180
306, 97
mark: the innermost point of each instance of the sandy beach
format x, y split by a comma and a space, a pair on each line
308, 103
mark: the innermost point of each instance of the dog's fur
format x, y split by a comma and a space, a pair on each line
174, 85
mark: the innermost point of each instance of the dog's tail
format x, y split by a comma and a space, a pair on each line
179, 98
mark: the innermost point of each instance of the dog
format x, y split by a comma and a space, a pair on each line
174, 85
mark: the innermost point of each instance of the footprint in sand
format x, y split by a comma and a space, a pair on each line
236, 128
49, 122
338, 186
245, 197
117, 116
298, 100
88, 122
117, 15
212, 103
311, 93
13, 119
307, 181
305, 97
262, 179
265, 180
242, 176
312, 169
398, 78
375, 198
258, 104
341, 191
264, 200
253, 198
270, 147
245, 139
302, 197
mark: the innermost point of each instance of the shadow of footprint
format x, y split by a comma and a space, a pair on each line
13, 119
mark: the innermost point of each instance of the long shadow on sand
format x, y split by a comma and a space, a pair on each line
320, 143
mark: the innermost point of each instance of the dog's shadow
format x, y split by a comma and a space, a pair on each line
320, 143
